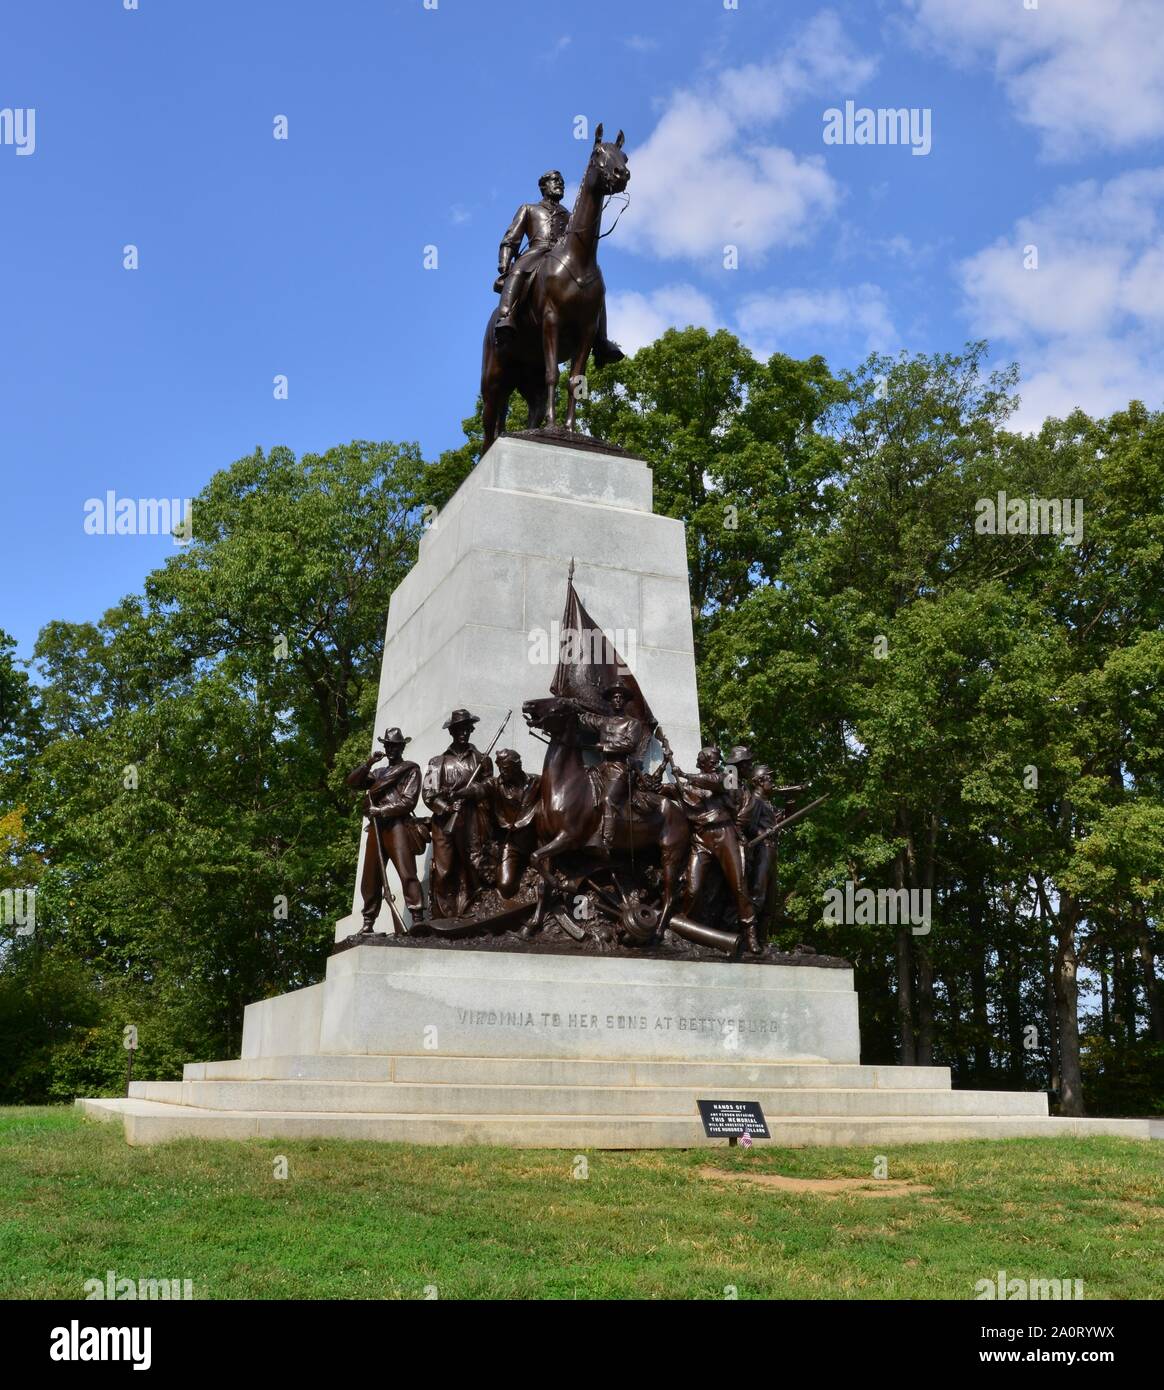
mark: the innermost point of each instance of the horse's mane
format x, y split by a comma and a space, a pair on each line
578, 196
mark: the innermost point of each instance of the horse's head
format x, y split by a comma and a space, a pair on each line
551, 715
608, 164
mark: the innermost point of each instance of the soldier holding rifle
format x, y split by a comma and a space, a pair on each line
392, 788
458, 834
711, 810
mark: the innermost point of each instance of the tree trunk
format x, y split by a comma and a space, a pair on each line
1128, 991
1067, 1009
979, 1017
906, 1046
925, 962
1013, 987
1053, 1074
1152, 993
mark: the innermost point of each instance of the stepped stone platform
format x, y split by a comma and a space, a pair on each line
442, 1047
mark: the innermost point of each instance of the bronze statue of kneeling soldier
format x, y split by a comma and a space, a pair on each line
511, 797
391, 786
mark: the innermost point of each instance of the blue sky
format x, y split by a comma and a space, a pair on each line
410, 127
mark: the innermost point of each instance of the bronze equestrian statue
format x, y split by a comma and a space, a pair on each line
570, 817
553, 306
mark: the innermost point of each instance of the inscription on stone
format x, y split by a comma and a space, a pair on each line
723, 1025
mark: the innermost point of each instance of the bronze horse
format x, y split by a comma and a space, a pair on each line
558, 319
569, 819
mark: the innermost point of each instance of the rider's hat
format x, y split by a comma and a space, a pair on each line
548, 175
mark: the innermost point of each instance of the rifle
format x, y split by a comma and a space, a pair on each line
476, 770
785, 822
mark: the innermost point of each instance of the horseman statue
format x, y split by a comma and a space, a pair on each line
540, 225
553, 299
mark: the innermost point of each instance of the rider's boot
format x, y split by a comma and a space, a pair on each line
504, 329
607, 353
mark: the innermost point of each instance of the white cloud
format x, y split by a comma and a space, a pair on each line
634, 319
706, 177
1088, 324
792, 321
779, 322
1082, 72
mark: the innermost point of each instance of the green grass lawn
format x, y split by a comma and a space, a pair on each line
355, 1220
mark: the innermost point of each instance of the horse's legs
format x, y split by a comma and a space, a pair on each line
489, 421
542, 857
674, 858
537, 921
550, 362
494, 409
577, 375
535, 399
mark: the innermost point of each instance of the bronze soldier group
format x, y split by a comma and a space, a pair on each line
487, 827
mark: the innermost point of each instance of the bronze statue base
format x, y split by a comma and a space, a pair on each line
550, 943
571, 439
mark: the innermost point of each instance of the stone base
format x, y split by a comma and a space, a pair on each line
449, 1047
510, 1004
156, 1122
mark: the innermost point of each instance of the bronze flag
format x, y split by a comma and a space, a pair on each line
589, 663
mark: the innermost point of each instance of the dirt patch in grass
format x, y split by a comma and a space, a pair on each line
819, 1187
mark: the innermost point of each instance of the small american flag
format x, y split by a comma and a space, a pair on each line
746, 1139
